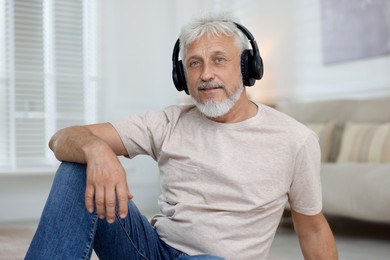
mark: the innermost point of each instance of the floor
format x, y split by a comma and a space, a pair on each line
355, 240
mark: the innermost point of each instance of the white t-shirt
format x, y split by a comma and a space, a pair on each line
224, 186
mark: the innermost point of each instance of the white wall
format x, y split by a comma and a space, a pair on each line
289, 35
22, 196
313, 80
138, 38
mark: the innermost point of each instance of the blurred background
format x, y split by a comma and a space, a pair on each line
77, 62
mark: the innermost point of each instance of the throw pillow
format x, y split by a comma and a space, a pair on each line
364, 142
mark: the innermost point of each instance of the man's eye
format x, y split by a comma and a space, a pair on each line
194, 63
219, 59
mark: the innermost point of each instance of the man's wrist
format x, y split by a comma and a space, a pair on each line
95, 147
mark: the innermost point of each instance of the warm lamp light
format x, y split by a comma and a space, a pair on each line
260, 91
263, 90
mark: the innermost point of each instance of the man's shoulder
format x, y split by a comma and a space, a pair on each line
286, 122
176, 111
179, 108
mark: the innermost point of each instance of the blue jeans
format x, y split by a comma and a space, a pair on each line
68, 231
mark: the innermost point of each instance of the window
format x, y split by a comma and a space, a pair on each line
48, 76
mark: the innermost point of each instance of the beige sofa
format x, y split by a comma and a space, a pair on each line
355, 145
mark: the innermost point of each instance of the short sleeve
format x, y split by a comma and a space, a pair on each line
143, 134
305, 195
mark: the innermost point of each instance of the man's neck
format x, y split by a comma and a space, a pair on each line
242, 110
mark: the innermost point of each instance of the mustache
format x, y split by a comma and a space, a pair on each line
210, 84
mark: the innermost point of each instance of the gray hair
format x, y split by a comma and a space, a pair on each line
212, 25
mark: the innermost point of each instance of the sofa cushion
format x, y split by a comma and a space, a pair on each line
338, 110
365, 142
325, 134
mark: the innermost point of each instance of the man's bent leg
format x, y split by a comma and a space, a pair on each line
66, 229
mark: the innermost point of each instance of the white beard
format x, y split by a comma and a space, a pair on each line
214, 109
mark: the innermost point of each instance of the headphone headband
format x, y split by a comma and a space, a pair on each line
251, 63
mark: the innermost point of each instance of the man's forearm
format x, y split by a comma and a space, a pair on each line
105, 177
315, 236
71, 144
319, 246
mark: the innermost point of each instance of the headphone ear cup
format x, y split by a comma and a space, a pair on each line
175, 77
246, 63
178, 77
182, 83
257, 67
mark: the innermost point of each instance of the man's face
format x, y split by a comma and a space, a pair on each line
214, 60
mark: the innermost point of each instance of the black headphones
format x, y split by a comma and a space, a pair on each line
251, 63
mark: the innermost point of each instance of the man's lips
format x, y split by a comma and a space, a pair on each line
209, 88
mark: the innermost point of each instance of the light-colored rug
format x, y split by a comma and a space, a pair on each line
14, 242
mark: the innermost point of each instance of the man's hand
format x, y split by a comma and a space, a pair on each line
106, 183
98, 146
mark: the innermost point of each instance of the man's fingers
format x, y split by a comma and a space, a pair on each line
123, 198
110, 204
99, 202
89, 198
106, 188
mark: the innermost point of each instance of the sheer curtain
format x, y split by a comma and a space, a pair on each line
48, 76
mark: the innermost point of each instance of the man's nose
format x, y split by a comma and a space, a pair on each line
207, 72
